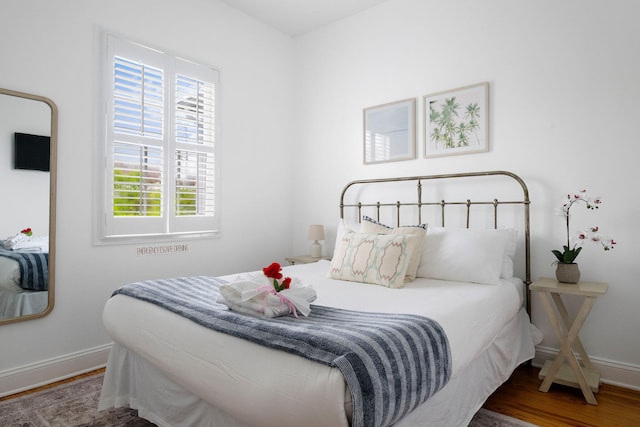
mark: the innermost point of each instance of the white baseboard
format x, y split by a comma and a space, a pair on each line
611, 372
48, 371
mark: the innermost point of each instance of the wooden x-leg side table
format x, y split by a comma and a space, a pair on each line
580, 374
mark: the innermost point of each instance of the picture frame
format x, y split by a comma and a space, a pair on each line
389, 132
457, 121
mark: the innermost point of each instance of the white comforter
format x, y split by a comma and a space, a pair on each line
471, 314
219, 368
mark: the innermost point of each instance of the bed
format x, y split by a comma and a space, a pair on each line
24, 280
470, 282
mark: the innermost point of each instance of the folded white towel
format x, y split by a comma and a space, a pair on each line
254, 294
27, 243
15, 239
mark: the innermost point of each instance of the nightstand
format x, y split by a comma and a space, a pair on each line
304, 259
574, 374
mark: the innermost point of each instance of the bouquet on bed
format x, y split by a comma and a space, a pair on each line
267, 294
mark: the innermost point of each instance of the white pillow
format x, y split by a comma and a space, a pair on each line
465, 255
341, 230
371, 226
506, 272
380, 259
509, 253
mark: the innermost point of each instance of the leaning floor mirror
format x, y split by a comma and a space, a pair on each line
28, 145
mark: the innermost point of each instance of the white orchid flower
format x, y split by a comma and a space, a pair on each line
574, 245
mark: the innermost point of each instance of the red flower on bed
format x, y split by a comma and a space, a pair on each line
27, 231
274, 272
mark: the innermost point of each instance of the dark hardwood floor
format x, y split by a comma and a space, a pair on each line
564, 406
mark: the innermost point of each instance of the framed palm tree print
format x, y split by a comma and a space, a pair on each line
457, 121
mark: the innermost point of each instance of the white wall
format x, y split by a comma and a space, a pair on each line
564, 93
49, 48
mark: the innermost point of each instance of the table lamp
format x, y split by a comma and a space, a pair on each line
316, 232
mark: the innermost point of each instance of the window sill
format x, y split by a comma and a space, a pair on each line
153, 238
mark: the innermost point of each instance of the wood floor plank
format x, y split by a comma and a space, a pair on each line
564, 406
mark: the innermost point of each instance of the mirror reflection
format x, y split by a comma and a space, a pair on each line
28, 125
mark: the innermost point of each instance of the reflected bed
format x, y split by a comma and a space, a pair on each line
23, 283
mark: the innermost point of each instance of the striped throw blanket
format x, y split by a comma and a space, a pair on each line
391, 362
34, 269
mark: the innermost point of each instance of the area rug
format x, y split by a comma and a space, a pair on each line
75, 404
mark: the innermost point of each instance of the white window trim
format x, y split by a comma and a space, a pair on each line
103, 194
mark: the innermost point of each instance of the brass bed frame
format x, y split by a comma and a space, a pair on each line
419, 203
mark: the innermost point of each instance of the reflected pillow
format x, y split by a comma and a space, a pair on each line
380, 259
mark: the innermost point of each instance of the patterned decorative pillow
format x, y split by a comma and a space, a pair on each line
379, 259
371, 226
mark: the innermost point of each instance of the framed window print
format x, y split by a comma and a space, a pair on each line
389, 132
457, 121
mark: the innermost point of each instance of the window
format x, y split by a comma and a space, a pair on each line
161, 134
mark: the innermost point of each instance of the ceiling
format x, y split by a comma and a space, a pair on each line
296, 17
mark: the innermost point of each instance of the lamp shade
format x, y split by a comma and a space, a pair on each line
316, 232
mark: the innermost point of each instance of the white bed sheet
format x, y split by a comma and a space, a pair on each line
220, 368
159, 399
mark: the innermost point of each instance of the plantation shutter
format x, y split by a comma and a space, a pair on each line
194, 155
160, 143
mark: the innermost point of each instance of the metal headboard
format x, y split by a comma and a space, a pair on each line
419, 203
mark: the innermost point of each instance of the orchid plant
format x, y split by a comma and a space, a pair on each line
573, 247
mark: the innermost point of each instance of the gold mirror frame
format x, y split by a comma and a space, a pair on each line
52, 203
